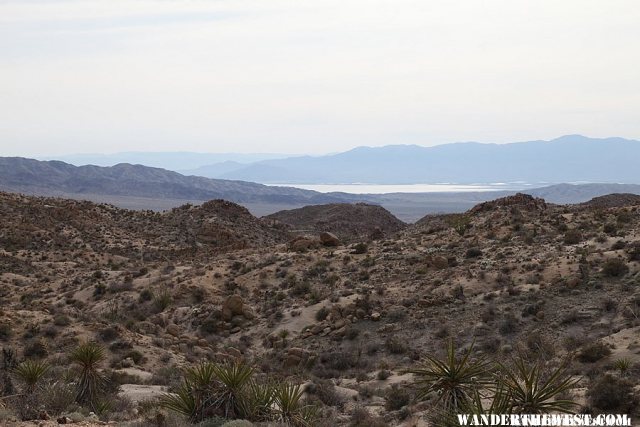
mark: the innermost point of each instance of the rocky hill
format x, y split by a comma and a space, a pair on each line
513, 281
54, 224
347, 221
614, 200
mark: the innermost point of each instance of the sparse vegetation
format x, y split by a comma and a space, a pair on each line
226, 318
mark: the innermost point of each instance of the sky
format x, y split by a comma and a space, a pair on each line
313, 77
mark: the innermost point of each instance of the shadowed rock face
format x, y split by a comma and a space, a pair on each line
347, 221
523, 201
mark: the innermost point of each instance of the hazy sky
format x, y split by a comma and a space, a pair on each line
312, 76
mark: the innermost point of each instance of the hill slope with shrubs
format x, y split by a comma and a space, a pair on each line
208, 314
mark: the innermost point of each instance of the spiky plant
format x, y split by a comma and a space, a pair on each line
290, 407
209, 389
184, 401
532, 390
454, 379
90, 380
30, 372
195, 396
257, 401
495, 402
233, 378
622, 365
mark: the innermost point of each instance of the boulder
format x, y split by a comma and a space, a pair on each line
173, 329
233, 306
302, 243
329, 239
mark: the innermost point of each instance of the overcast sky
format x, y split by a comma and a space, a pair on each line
317, 76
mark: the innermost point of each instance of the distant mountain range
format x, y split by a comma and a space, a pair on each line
175, 161
58, 178
143, 187
571, 158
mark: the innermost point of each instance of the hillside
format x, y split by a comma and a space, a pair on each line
517, 277
102, 231
347, 221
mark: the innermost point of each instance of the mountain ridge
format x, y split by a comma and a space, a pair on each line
570, 158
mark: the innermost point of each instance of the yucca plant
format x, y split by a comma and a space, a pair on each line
184, 401
233, 378
90, 380
622, 365
454, 379
257, 401
531, 390
290, 407
209, 389
30, 372
498, 402
195, 396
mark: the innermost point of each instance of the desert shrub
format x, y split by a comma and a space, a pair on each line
36, 349
396, 345
613, 394
396, 398
137, 357
610, 228
339, 360
6, 332
633, 252
299, 288
361, 417
383, 374
619, 244
61, 320
209, 326
322, 314
145, 295
108, 334
359, 248
594, 352
473, 253
325, 391
396, 313
572, 237
162, 300
508, 325
99, 290
58, 397
615, 267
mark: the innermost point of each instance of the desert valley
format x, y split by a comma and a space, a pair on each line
326, 315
